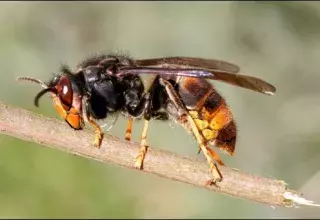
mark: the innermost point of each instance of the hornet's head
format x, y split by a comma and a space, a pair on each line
66, 97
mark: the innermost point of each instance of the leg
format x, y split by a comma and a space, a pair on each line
98, 132
161, 116
143, 146
186, 118
207, 153
157, 116
148, 106
129, 129
215, 156
136, 107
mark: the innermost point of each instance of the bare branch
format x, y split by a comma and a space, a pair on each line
54, 133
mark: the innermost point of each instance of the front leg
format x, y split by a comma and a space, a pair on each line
88, 118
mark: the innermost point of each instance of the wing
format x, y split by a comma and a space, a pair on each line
199, 68
190, 62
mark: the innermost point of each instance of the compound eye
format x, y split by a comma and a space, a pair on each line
65, 93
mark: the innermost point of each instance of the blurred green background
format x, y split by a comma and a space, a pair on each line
278, 135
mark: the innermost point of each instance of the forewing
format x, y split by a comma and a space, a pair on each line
190, 62
243, 81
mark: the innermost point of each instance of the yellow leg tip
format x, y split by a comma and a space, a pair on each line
98, 140
138, 163
217, 176
127, 137
213, 182
96, 144
140, 158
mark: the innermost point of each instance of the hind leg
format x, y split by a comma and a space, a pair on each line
185, 118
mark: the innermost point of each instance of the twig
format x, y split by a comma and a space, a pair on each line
57, 134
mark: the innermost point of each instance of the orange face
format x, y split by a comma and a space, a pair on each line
67, 104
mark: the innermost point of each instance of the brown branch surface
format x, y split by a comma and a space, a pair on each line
57, 134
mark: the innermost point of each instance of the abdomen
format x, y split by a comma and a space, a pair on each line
209, 111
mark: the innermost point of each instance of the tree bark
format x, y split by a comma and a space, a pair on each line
57, 134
